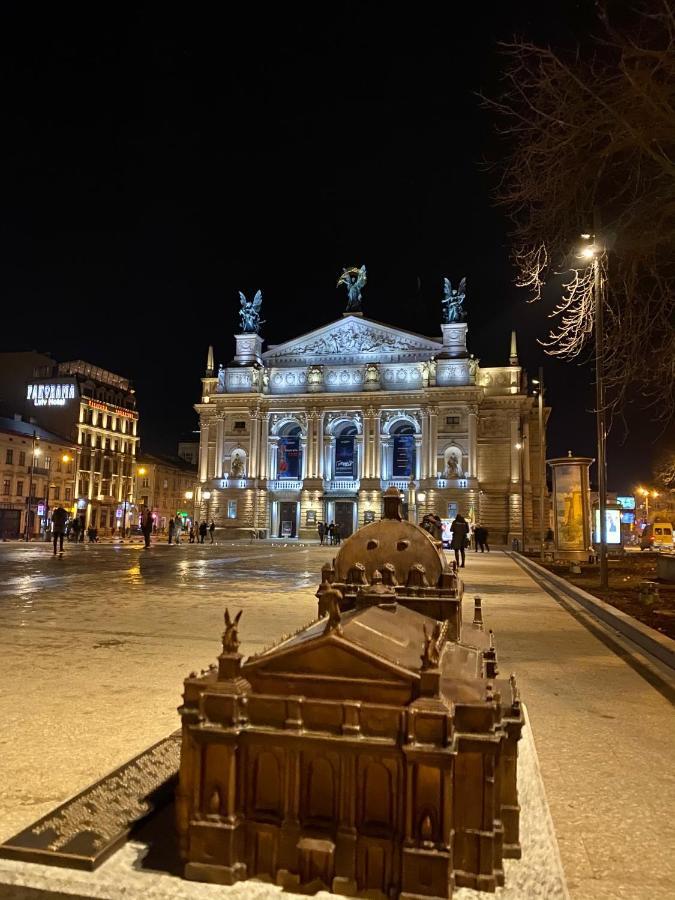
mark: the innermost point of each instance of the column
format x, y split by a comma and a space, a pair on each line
255, 436
515, 461
204, 452
331, 458
377, 462
418, 457
360, 445
303, 449
263, 463
384, 452
425, 446
433, 442
218, 461
272, 458
320, 448
473, 443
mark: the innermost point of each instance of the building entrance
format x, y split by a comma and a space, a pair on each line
344, 517
287, 519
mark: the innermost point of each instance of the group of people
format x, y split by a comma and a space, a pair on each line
196, 533
329, 533
63, 527
461, 538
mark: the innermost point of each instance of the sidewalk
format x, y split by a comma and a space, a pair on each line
604, 737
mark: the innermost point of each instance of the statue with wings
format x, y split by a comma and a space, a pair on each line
354, 280
231, 634
249, 314
452, 303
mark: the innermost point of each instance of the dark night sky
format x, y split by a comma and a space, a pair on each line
155, 163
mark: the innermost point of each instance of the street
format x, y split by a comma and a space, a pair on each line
94, 647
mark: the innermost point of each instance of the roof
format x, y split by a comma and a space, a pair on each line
27, 429
161, 459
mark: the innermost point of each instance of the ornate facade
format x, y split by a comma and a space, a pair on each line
316, 428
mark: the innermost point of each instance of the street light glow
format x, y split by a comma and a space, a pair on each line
206, 495
587, 252
141, 471
188, 495
519, 446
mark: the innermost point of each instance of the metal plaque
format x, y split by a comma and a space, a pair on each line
85, 830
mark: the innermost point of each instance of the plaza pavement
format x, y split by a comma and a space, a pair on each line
94, 647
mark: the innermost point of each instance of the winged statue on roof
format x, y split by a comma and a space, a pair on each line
249, 313
354, 280
453, 300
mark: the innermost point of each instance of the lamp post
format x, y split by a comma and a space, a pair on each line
542, 461
206, 495
520, 447
35, 451
188, 496
412, 506
593, 253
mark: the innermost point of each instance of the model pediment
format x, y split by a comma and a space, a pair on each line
334, 657
352, 337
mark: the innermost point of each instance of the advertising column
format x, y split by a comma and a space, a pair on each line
571, 506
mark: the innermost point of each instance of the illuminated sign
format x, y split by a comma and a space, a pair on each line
50, 394
41, 509
111, 407
626, 502
613, 520
627, 518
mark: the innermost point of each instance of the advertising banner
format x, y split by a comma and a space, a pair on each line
569, 510
404, 450
288, 459
344, 457
613, 526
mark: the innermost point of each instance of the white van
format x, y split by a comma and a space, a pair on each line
657, 535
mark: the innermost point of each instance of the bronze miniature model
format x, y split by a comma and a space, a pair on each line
373, 752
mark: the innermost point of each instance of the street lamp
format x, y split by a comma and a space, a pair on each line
520, 448
35, 451
206, 495
592, 252
539, 382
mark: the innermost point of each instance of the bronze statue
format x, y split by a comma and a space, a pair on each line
354, 280
452, 302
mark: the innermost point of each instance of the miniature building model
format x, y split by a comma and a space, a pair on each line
373, 752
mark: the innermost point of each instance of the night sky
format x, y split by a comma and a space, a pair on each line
154, 163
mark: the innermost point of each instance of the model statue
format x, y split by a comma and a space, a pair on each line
236, 466
221, 379
249, 314
453, 299
230, 635
354, 280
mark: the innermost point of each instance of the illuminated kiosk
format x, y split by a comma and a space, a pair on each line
572, 506
372, 753
614, 533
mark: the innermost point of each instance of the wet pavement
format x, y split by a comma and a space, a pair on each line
94, 647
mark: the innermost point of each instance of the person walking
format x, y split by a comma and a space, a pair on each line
82, 529
331, 532
178, 528
336, 533
75, 530
322, 530
202, 532
483, 539
59, 519
460, 536
172, 530
146, 526
212, 528
192, 534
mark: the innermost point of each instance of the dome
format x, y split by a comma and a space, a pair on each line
391, 540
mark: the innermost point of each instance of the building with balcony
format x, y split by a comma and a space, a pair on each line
37, 474
166, 485
316, 428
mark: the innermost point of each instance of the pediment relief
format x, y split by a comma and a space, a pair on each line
331, 657
351, 337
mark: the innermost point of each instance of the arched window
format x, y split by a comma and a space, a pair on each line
289, 452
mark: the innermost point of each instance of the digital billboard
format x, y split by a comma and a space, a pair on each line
613, 520
626, 502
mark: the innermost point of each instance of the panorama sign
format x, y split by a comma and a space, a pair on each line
50, 394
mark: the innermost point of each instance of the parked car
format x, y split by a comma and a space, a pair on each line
657, 535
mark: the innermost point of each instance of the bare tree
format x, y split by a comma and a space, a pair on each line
592, 136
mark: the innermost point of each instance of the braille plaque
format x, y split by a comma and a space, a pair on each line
85, 830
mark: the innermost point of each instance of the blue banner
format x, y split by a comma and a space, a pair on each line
288, 458
344, 457
404, 452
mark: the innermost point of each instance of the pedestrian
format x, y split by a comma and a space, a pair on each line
146, 526
82, 529
212, 528
321, 529
202, 532
336, 532
59, 519
484, 535
331, 533
192, 534
177, 528
460, 537
172, 529
75, 529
